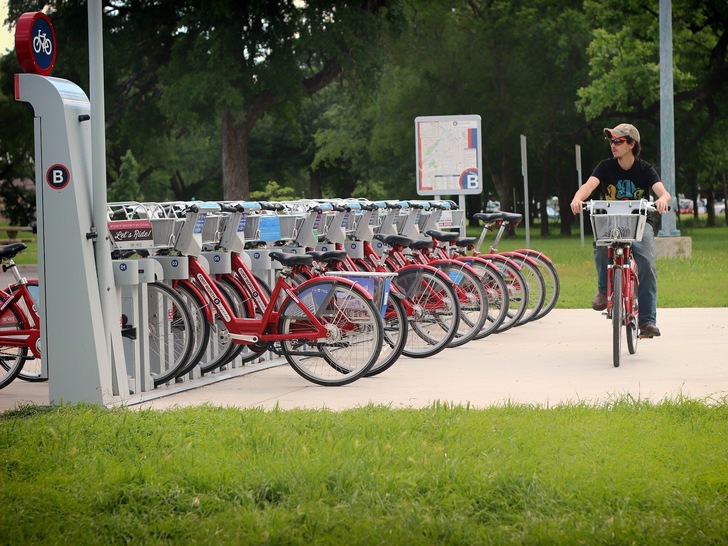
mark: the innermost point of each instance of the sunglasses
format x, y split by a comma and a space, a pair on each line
617, 141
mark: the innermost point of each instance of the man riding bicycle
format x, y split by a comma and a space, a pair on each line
627, 176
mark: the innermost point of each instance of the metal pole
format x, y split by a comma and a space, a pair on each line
107, 289
579, 180
524, 170
667, 121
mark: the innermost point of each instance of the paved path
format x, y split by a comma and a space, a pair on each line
563, 358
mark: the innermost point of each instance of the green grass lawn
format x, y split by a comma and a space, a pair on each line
626, 473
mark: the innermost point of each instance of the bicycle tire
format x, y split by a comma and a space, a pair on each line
197, 305
220, 347
617, 304
395, 335
12, 358
171, 330
32, 369
552, 282
517, 289
496, 292
633, 322
354, 338
472, 299
536, 286
434, 322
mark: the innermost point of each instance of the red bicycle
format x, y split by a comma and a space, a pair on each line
616, 225
19, 324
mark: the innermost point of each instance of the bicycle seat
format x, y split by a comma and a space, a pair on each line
420, 245
289, 260
394, 239
465, 241
443, 235
328, 256
11, 250
489, 216
511, 217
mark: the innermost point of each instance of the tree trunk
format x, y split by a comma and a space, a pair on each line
235, 181
710, 207
314, 184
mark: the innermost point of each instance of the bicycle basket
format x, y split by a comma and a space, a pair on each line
377, 284
613, 228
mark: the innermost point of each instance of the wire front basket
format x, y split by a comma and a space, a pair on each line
618, 222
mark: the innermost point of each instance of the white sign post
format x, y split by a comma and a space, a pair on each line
527, 209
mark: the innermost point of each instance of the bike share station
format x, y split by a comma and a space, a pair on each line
84, 295
95, 334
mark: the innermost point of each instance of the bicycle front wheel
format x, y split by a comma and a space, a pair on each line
171, 332
496, 291
354, 332
551, 280
395, 335
32, 369
536, 287
616, 315
472, 298
517, 287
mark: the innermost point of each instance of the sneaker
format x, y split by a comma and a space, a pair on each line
599, 303
649, 330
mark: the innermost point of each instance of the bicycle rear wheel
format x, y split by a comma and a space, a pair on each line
171, 332
436, 311
633, 318
354, 332
12, 358
617, 314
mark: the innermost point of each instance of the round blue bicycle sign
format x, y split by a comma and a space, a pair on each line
35, 43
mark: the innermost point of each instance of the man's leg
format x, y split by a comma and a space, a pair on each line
600, 261
645, 255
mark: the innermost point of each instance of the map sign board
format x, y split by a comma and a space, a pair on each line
449, 155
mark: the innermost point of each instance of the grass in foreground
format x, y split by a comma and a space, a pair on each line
626, 472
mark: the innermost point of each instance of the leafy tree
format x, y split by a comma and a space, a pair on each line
624, 74
240, 61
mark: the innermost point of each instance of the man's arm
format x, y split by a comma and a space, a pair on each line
583, 193
662, 203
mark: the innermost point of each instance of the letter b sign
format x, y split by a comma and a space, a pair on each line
58, 177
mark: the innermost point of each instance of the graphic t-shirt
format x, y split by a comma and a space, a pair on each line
616, 183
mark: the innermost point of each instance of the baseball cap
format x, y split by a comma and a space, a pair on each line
623, 130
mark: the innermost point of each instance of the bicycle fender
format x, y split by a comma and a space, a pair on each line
198, 292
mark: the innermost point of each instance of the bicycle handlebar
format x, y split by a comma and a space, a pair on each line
642, 206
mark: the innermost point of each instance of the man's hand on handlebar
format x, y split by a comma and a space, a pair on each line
577, 205
662, 204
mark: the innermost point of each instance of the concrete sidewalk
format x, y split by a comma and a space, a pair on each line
563, 358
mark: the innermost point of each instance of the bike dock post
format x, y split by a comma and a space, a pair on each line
79, 355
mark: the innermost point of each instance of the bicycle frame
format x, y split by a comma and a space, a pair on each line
30, 335
621, 263
253, 330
